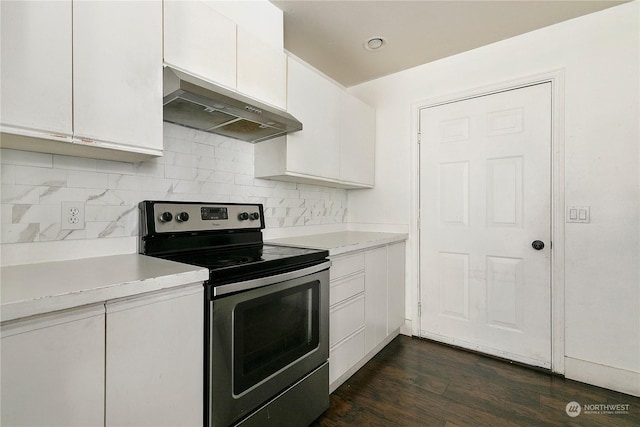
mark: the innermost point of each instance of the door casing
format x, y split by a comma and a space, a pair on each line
556, 78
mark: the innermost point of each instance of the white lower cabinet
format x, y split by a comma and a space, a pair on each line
154, 363
139, 363
395, 285
376, 273
347, 319
344, 356
53, 369
366, 307
346, 316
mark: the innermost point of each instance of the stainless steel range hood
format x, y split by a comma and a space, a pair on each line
198, 104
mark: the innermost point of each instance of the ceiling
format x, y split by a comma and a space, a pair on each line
331, 34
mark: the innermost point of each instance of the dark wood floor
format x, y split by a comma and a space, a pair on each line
414, 382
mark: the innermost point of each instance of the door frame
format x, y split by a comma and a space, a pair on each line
556, 78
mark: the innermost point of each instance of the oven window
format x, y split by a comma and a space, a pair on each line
272, 331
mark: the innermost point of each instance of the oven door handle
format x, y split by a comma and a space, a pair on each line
268, 280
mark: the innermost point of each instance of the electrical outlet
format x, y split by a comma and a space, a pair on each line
72, 216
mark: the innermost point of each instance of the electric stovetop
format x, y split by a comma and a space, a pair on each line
249, 262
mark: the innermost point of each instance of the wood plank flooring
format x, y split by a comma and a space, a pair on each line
415, 382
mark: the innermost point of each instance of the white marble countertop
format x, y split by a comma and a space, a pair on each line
341, 242
30, 289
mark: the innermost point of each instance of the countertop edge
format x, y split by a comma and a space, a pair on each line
369, 240
184, 275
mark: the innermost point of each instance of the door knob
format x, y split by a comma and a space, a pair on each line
537, 245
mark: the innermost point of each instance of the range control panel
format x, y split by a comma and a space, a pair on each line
171, 217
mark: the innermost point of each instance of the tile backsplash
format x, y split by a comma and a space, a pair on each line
196, 166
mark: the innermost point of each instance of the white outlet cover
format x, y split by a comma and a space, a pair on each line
72, 216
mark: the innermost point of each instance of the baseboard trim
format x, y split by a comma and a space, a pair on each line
405, 329
616, 379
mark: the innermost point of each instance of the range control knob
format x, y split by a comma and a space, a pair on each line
182, 217
165, 217
243, 216
254, 216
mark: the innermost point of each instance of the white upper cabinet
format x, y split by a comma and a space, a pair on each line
117, 96
84, 72
337, 143
218, 42
37, 69
315, 101
200, 40
357, 141
262, 70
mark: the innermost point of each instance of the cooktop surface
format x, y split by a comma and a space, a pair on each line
247, 262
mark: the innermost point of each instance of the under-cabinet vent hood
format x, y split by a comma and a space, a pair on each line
198, 104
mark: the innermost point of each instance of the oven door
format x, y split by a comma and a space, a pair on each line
266, 338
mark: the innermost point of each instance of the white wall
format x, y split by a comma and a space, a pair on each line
599, 54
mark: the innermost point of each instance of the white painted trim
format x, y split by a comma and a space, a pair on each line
556, 78
405, 329
413, 244
608, 377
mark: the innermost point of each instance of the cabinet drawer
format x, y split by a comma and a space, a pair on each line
345, 355
347, 264
345, 319
346, 288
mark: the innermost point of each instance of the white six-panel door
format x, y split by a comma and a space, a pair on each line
485, 196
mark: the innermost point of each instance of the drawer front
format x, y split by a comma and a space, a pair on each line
345, 355
344, 289
345, 265
345, 319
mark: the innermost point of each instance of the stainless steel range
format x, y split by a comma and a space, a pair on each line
266, 312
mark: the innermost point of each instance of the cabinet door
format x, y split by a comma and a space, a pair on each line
200, 41
154, 363
395, 286
357, 140
375, 271
345, 356
315, 101
117, 74
262, 70
345, 319
36, 68
53, 369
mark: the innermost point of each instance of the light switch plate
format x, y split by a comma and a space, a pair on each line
579, 214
